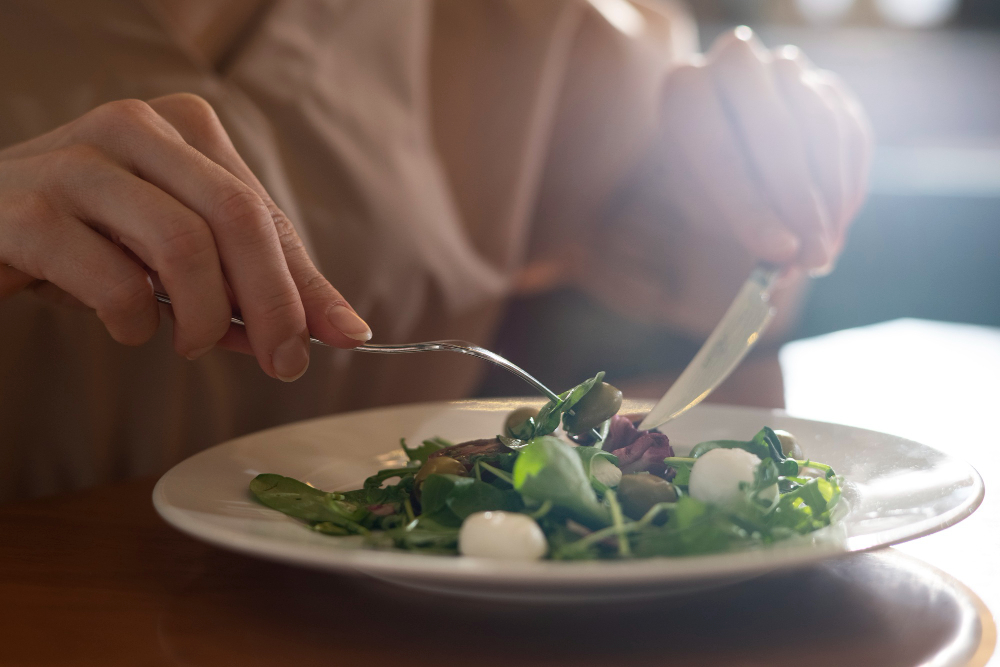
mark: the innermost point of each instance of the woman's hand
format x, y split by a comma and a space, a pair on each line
765, 148
134, 192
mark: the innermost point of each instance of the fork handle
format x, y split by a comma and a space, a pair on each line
436, 346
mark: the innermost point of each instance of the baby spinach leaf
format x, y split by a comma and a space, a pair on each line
444, 495
549, 469
302, 501
373, 493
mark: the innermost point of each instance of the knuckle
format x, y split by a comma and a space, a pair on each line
287, 234
194, 106
30, 225
242, 211
197, 115
35, 209
185, 245
126, 296
70, 162
122, 124
316, 285
124, 113
281, 306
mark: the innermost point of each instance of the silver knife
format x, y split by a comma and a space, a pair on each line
734, 335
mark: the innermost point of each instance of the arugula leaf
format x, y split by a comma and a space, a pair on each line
422, 452
551, 414
764, 445
549, 469
693, 528
424, 535
768, 439
555, 481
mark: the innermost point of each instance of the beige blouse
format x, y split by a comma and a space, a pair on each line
431, 154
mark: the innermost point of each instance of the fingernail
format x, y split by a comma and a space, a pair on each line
829, 260
348, 323
200, 352
822, 271
290, 359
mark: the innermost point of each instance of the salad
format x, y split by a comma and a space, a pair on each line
575, 480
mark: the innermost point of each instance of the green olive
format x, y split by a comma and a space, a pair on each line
439, 465
600, 404
789, 445
516, 418
638, 493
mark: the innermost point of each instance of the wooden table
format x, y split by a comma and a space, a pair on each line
96, 578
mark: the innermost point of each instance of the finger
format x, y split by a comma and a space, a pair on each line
164, 234
859, 136
328, 314
249, 248
49, 246
778, 158
820, 127
702, 138
12, 281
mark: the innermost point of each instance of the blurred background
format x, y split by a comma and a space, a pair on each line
927, 243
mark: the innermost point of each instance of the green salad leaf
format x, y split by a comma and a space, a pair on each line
302, 501
549, 469
765, 444
553, 482
587, 456
551, 413
448, 499
422, 452
682, 465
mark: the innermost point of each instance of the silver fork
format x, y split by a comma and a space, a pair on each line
459, 346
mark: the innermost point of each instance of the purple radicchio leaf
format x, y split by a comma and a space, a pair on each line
638, 451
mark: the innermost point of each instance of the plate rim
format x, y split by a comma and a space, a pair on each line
662, 571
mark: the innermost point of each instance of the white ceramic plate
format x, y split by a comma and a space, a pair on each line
895, 490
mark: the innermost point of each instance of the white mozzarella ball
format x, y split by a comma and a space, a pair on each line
503, 535
716, 475
605, 472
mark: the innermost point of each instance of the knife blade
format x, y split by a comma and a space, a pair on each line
732, 338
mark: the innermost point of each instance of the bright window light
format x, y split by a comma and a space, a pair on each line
622, 15
917, 13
